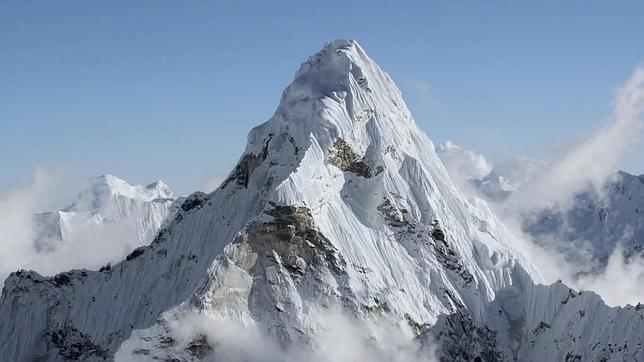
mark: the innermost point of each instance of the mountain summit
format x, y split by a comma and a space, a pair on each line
101, 189
338, 204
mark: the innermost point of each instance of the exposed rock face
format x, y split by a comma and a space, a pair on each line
244, 169
463, 340
73, 345
292, 241
292, 235
290, 250
343, 157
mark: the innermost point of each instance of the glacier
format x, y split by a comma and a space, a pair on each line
339, 202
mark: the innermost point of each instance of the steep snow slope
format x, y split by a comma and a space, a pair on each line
107, 212
339, 200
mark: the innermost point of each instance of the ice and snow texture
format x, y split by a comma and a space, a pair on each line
339, 201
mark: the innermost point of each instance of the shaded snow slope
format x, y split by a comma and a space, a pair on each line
338, 201
595, 222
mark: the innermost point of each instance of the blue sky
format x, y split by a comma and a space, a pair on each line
168, 90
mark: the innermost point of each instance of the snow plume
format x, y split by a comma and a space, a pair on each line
337, 337
17, 209
588, 163
595, 157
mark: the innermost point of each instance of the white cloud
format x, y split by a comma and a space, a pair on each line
462, 164
588, 161
17, 208
336, 337
621, 281
89, 245
593, 158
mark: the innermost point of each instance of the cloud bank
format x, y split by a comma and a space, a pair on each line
17, 208
336, 337
589, 162
89, 245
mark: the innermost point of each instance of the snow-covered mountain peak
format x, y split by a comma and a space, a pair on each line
160, 188
338, 93
105, 187
108, 211
343, 145
338, 200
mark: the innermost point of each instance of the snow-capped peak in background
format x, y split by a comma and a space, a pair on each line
105, 222
597, 233
105, 187
339, 202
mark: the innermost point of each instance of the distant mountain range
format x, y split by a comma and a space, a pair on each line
586, 229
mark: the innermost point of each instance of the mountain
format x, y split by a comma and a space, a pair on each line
595, 222
338, 205
474, 174
108, 210
462, 165
507, 177
586, 230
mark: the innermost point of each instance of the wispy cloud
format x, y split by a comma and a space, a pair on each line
17, 209
620, 283
590, 161
594, 157
89, 245
462, 165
